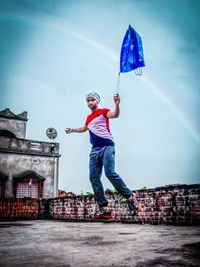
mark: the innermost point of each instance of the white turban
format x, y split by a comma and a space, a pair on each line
93, 95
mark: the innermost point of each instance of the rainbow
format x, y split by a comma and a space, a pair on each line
61, 25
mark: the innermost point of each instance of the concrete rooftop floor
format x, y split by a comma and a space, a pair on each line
66, 244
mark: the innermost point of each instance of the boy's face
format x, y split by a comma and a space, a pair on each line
92, 103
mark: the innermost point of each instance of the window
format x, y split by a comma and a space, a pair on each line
3, 179
2, 189
7, 133
27, 189
29, 185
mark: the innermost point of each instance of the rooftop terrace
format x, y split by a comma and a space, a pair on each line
59, 243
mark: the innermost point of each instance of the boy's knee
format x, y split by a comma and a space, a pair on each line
95, 179
111, 175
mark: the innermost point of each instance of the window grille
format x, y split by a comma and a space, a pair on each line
2, 186
29, 188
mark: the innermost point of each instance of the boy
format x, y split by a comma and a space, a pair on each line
102, 154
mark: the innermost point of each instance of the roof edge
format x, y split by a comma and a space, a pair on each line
7, 113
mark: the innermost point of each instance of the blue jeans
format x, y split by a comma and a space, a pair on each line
105, 157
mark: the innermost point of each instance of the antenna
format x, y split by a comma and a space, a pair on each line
51, 133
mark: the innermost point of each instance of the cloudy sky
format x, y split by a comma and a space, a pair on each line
53, 52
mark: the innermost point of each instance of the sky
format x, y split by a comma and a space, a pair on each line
54, 52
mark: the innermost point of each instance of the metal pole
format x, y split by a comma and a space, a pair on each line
55, 193
118, 84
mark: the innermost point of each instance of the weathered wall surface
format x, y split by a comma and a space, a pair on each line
19, 155
169, 205
12, 166
17, 127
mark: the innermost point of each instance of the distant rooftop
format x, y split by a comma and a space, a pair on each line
6, 113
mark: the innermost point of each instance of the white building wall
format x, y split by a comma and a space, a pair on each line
18, 155
12, 165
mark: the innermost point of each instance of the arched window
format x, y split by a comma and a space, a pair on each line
7, 133
3, 179
28, 184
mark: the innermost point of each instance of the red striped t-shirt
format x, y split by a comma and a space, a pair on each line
98, 125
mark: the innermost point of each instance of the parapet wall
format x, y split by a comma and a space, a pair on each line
169, 205
11, 208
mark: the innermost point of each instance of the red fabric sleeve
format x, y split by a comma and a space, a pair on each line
97, 113
105, 111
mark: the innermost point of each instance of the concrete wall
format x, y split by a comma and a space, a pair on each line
18, 127
12, 165
19, 155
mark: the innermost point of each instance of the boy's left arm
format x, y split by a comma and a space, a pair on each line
115, 113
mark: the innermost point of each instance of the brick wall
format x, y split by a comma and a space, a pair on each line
19, 209
169, 205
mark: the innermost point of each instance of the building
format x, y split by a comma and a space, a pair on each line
28, 168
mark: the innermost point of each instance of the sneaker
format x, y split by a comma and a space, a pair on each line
133, 203
105, 214
97, 215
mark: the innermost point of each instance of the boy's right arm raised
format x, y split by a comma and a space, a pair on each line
77, 130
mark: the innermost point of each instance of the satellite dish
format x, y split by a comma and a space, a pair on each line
51, 133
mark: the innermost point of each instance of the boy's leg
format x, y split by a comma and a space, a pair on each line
95, 166
114, 178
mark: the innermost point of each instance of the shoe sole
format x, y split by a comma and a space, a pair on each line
107, 217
